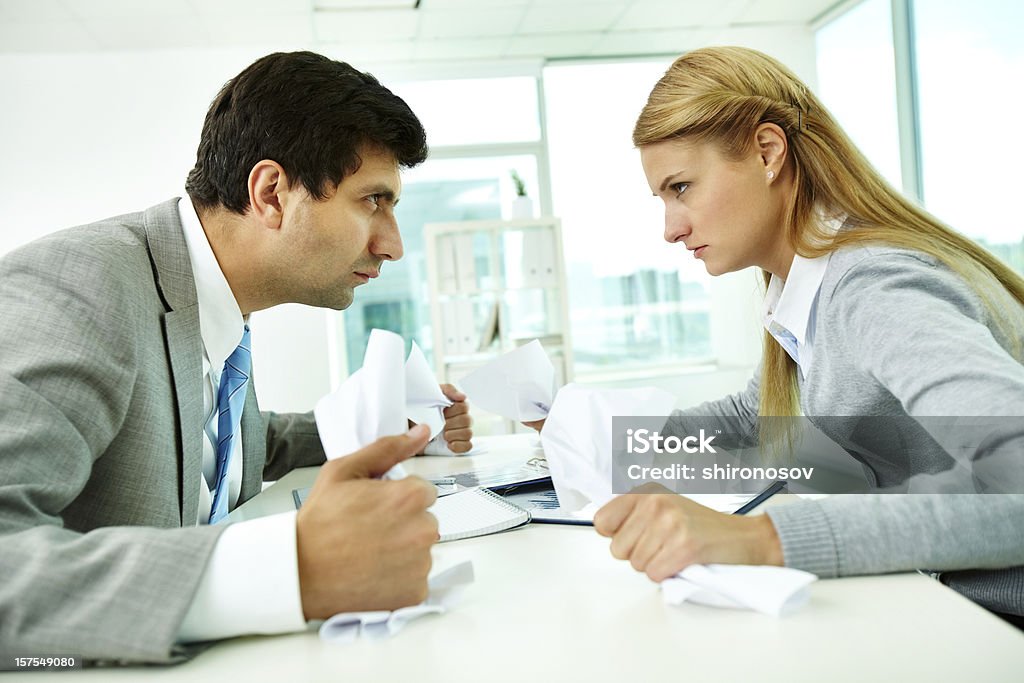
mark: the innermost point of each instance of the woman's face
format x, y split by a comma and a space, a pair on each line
728, 213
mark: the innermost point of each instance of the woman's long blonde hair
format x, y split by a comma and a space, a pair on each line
720, 95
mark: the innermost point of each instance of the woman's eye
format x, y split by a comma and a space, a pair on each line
679, 188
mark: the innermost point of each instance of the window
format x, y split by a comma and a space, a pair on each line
475, 111
634, 300
440, 190
970, 61
967, 61
479, 131
856, 81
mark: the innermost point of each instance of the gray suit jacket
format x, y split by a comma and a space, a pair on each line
100, 441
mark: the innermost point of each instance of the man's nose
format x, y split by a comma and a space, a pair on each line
387, 241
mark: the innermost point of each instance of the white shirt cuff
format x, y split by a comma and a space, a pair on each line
251, 584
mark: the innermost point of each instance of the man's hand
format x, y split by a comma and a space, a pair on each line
537, 424
364, 543
457, 421
663, 533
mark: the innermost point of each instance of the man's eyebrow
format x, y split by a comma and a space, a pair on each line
385, 191
668, 179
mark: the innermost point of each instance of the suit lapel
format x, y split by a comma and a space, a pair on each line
176, 282
184, 345
254, 444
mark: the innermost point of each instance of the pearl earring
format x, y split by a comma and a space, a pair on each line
771, 174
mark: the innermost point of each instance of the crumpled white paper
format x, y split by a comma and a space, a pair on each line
519, 385
379, 398
577, 438
446, 590
776, 591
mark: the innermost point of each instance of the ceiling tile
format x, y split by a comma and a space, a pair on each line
662, 14
49, 36
119, 9
573, 17
561, 45
364, 55
365, 4
474, 48
250, 9
669, 42
783, 11
36, 10
365, 27
146, 34
294, 29
470, 23
430, 5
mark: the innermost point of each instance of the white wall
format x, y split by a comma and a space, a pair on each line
86, 136
91, 135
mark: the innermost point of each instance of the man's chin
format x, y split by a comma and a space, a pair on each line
337, 300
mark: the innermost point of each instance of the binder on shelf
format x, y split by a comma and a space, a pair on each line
547, 255
465, 327
465, 264
494, 282
447, 277
450, 327
531, 258
540, 255
491, 331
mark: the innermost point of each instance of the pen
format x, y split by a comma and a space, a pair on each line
761, 497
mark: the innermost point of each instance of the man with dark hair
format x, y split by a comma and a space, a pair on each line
128, 420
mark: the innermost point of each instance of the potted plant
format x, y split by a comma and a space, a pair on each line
522, 205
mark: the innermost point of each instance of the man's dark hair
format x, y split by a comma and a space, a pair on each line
311, 114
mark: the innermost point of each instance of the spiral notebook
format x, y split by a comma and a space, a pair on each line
474, 512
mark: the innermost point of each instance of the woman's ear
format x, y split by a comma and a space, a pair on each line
772, 146
267, 183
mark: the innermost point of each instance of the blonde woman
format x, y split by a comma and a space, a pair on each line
873, 308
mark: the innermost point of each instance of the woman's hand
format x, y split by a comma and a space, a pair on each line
663, 533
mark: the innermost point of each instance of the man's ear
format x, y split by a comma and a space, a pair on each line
267, 185
772, 146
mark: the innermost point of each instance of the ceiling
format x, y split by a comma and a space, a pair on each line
396, 30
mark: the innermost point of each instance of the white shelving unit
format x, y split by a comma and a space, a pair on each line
495, 285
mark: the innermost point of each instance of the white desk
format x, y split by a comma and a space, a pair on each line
551, 604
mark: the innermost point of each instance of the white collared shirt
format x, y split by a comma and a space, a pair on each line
251, 583
790, 307
221, 326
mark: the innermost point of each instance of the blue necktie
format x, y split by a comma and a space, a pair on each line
230, 401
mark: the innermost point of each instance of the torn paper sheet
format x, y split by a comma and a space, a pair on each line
776, 591
446, 590
519, 385
425, 402
370, 404
381, 397
577, 438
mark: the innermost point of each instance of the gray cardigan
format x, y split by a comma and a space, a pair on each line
899, 335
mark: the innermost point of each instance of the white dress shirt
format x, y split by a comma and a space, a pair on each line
790, 308
251, 584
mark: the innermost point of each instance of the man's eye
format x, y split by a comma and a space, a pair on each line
374, 199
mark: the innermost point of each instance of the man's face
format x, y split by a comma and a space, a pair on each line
335, 245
